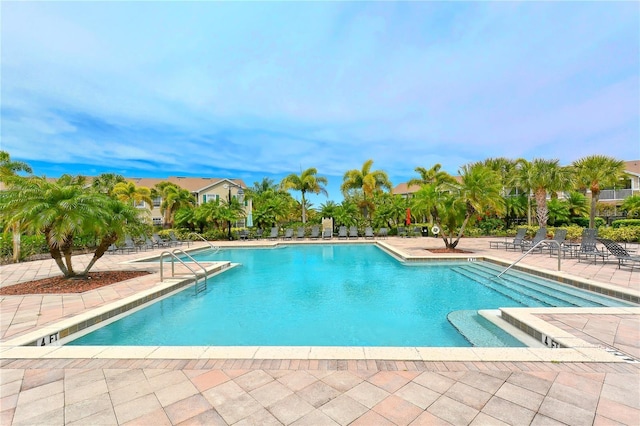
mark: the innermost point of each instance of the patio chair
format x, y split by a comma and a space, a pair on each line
416, 231
342, 233
353, 232
315, 233
243, 234
588, 247
300, 233
402, 231
327, 234
382, 233
129, 245
559, 236
288, 234
259, 233
274, 233
368, 233
159, 242
113, 249
541, 234
174, 240
619, 252
517, 240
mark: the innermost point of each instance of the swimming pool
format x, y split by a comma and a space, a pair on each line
326, 295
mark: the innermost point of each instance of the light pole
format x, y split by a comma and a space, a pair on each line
240, 194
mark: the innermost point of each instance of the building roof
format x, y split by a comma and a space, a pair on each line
632, 167
191, 184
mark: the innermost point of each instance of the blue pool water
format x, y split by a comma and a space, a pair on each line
317, 295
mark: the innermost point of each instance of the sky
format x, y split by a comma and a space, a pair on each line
263, 89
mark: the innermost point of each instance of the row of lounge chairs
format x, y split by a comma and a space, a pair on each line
146, 243
587, 248
315, 233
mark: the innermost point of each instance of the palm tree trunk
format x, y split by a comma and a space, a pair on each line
304, 210
595, 196
56, 255
542, 213
16, 242
100, 251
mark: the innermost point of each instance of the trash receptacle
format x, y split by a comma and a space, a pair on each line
425, 231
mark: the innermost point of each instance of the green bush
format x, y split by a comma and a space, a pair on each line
628, 234
29, 245
584, 221
625, 222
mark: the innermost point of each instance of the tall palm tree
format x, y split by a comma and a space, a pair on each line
105, 182
128, 192
432, 175
307, 181
173, 198
543, 177
596, 172
522, 179
367, 182
9, 170
631, 205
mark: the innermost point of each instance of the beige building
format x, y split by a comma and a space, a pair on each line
203, 190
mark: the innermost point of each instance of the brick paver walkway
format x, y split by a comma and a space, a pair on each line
316, 392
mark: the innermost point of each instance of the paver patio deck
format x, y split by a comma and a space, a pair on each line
196, 389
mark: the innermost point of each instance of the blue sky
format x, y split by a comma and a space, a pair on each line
260, 89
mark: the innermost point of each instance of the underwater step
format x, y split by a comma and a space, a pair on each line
512, 294
481, 332
566, 292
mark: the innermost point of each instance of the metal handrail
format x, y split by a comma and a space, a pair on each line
529, 251
174, 258
205, 240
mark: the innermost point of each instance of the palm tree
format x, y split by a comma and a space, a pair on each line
631, 205
173, 198
62, 210
522, 179
128, 192
367, 182
432, 175
8, 172
307, 181
546, 176
596, 172
105, 182
577, 204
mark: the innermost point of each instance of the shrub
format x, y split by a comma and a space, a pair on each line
628, 234
584, 221
625, 222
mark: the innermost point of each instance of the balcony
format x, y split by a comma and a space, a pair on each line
615, 194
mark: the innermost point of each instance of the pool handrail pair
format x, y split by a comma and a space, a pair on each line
205, 240
529, 251
173, 256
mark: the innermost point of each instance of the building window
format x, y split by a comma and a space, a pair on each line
157, 201
157, 221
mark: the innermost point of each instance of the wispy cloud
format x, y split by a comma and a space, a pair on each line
265, 89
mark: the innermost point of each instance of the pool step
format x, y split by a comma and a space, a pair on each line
481, 332
511, 293
562, 295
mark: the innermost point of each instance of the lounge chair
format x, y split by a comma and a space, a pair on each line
342, 233
415, 232
368, 233
300, 233
619, 252
148, 243
558, 236
113, 249
173, 239
259, 233
274, 233
243, 234
517, 240
541, 234
588, 247
288, 234
353, 232
382, 233
129, 245
402, 231
315, 233
159, 242
327, 234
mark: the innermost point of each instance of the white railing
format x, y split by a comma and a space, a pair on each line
615, 194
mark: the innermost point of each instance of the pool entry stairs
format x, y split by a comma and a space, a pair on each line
533, 291
481, 332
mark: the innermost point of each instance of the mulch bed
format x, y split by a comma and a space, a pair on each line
446, 250
60, 284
